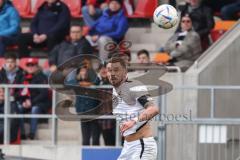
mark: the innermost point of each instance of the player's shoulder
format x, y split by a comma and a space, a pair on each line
135, 85
134, 88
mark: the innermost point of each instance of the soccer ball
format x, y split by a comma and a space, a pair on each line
165, 16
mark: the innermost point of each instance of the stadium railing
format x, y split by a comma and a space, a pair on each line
195, 125
211, 136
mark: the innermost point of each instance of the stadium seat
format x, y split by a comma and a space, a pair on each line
22, 62
23, 7
161, 57
2, 60
74, 6
18, 140
224, 25
12, 48
220, 28
144, 9
85, 30
216, 34
35, 6
45, 65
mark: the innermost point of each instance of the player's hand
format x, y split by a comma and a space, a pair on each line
127, 125
95, 38
24, 105
91, 10
103, 6
42, 37
28, 103
53, 68
36, 38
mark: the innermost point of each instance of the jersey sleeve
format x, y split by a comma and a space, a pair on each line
140, 93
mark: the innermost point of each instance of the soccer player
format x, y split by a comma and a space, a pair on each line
133, 108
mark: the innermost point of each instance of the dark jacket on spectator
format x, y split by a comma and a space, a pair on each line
114, 26
9, 20
66, 50
84, 103
38, 96
1, 107
19, 78
202, 18
14, 125
100, 81
52, 20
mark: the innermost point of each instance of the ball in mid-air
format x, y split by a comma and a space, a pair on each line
165, 16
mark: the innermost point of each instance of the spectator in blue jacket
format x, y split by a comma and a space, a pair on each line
85, 105
9, 25
49, 27
111, 26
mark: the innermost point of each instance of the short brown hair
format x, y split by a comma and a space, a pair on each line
116, 59
143, 51
11, 56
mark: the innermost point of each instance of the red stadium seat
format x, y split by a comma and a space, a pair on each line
144, 9
23, 7
85, 30
2, 60
18, 140
22, 63
220, 28
37, 4
12, 48
45, 65
74, 6
216, 34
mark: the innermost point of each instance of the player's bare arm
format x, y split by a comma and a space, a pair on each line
150, 112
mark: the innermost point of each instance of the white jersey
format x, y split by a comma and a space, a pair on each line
126, 105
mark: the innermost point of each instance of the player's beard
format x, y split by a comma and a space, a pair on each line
117, 84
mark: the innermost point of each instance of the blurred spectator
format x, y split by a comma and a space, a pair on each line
143, 56
111, 26
184, 46
67, 49
33, 100
102, 75
9, 25
231, 11
202, 19
107, 126
93, 10
126, 56
84, 105
49, 27
1, 101
14, 123
12, 74
1, 112
216, 5
83, 2
173, 3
